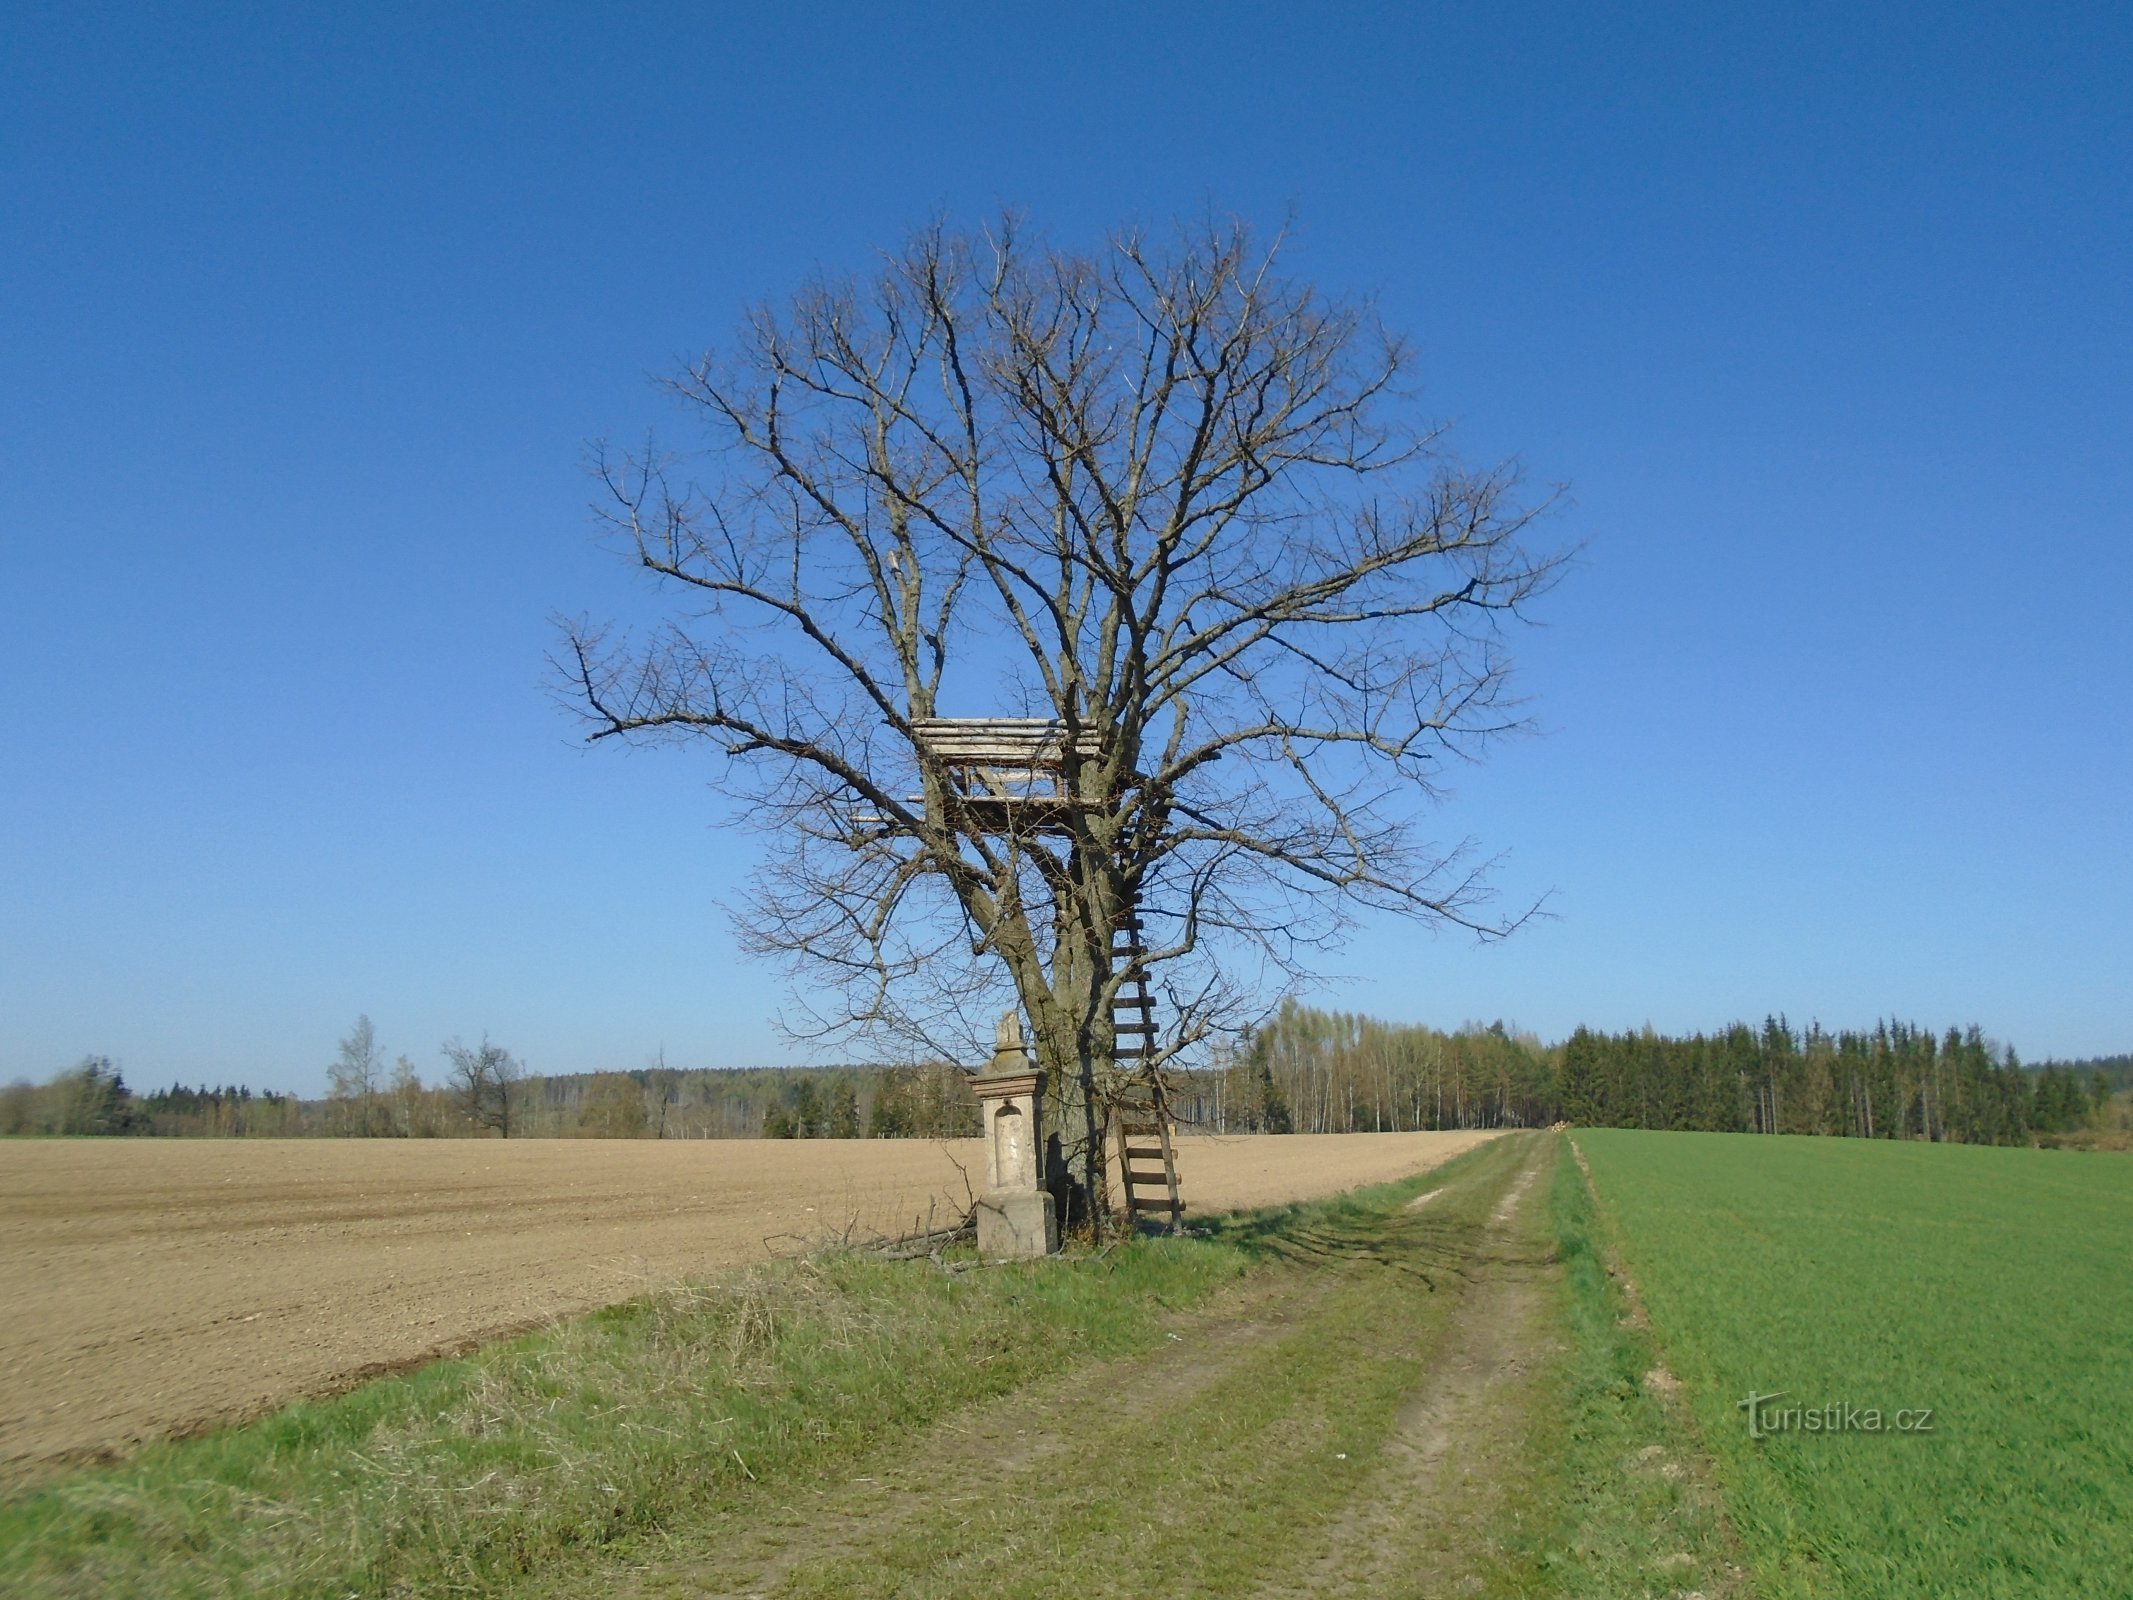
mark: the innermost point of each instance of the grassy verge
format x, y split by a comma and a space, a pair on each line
468, 1475
1619, 1503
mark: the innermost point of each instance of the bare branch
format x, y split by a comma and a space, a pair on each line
1176, 504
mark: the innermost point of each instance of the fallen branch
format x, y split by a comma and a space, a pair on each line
929, 1242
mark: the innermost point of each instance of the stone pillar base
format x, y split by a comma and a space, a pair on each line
1015, 1225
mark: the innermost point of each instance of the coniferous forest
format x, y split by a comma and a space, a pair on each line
1314, 1071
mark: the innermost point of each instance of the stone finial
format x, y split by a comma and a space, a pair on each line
1007, 1038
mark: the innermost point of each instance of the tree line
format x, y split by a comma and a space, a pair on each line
486, 1089
1331, 1072
1312, 1071
1895, 1081
1304, 1071
2117, 1071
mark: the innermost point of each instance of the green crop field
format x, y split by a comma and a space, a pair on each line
1856, 1280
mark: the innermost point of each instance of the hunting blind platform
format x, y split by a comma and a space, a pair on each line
1010, 771
1010, 775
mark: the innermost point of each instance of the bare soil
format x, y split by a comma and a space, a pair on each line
154, 1287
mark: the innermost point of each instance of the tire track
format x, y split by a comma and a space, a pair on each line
1413, 1525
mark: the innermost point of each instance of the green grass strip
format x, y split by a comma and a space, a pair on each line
470, 1474
1617, 1505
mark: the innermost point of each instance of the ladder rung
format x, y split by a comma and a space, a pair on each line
1142, 1180
1144, 1152
1139, 1002
1135, 1027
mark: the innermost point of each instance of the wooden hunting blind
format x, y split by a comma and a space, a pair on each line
1011, 776
1010, 771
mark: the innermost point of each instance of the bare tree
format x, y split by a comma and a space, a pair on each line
483, 1078
1161, 495
410, 1113
352, 1080
661, 1086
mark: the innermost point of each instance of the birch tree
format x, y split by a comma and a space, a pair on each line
352, 1080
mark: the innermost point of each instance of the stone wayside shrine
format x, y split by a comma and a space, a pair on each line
1016, 1215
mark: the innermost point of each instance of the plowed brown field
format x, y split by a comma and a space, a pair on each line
152, 1286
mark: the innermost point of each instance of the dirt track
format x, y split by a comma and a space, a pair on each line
152, 1286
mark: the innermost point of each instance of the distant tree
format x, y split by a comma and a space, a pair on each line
352, 1081
943, 1104
662, 1087
1581, 1082
777, 1123
1273, 1108
843, 1119
410, 1107
806, 1110
484, 1079
2058, 1105
889, 1117
613, 1108
93, 1099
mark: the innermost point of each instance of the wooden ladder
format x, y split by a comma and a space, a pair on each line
1140, 1107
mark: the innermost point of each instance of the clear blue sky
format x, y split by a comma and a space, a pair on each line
307, 315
